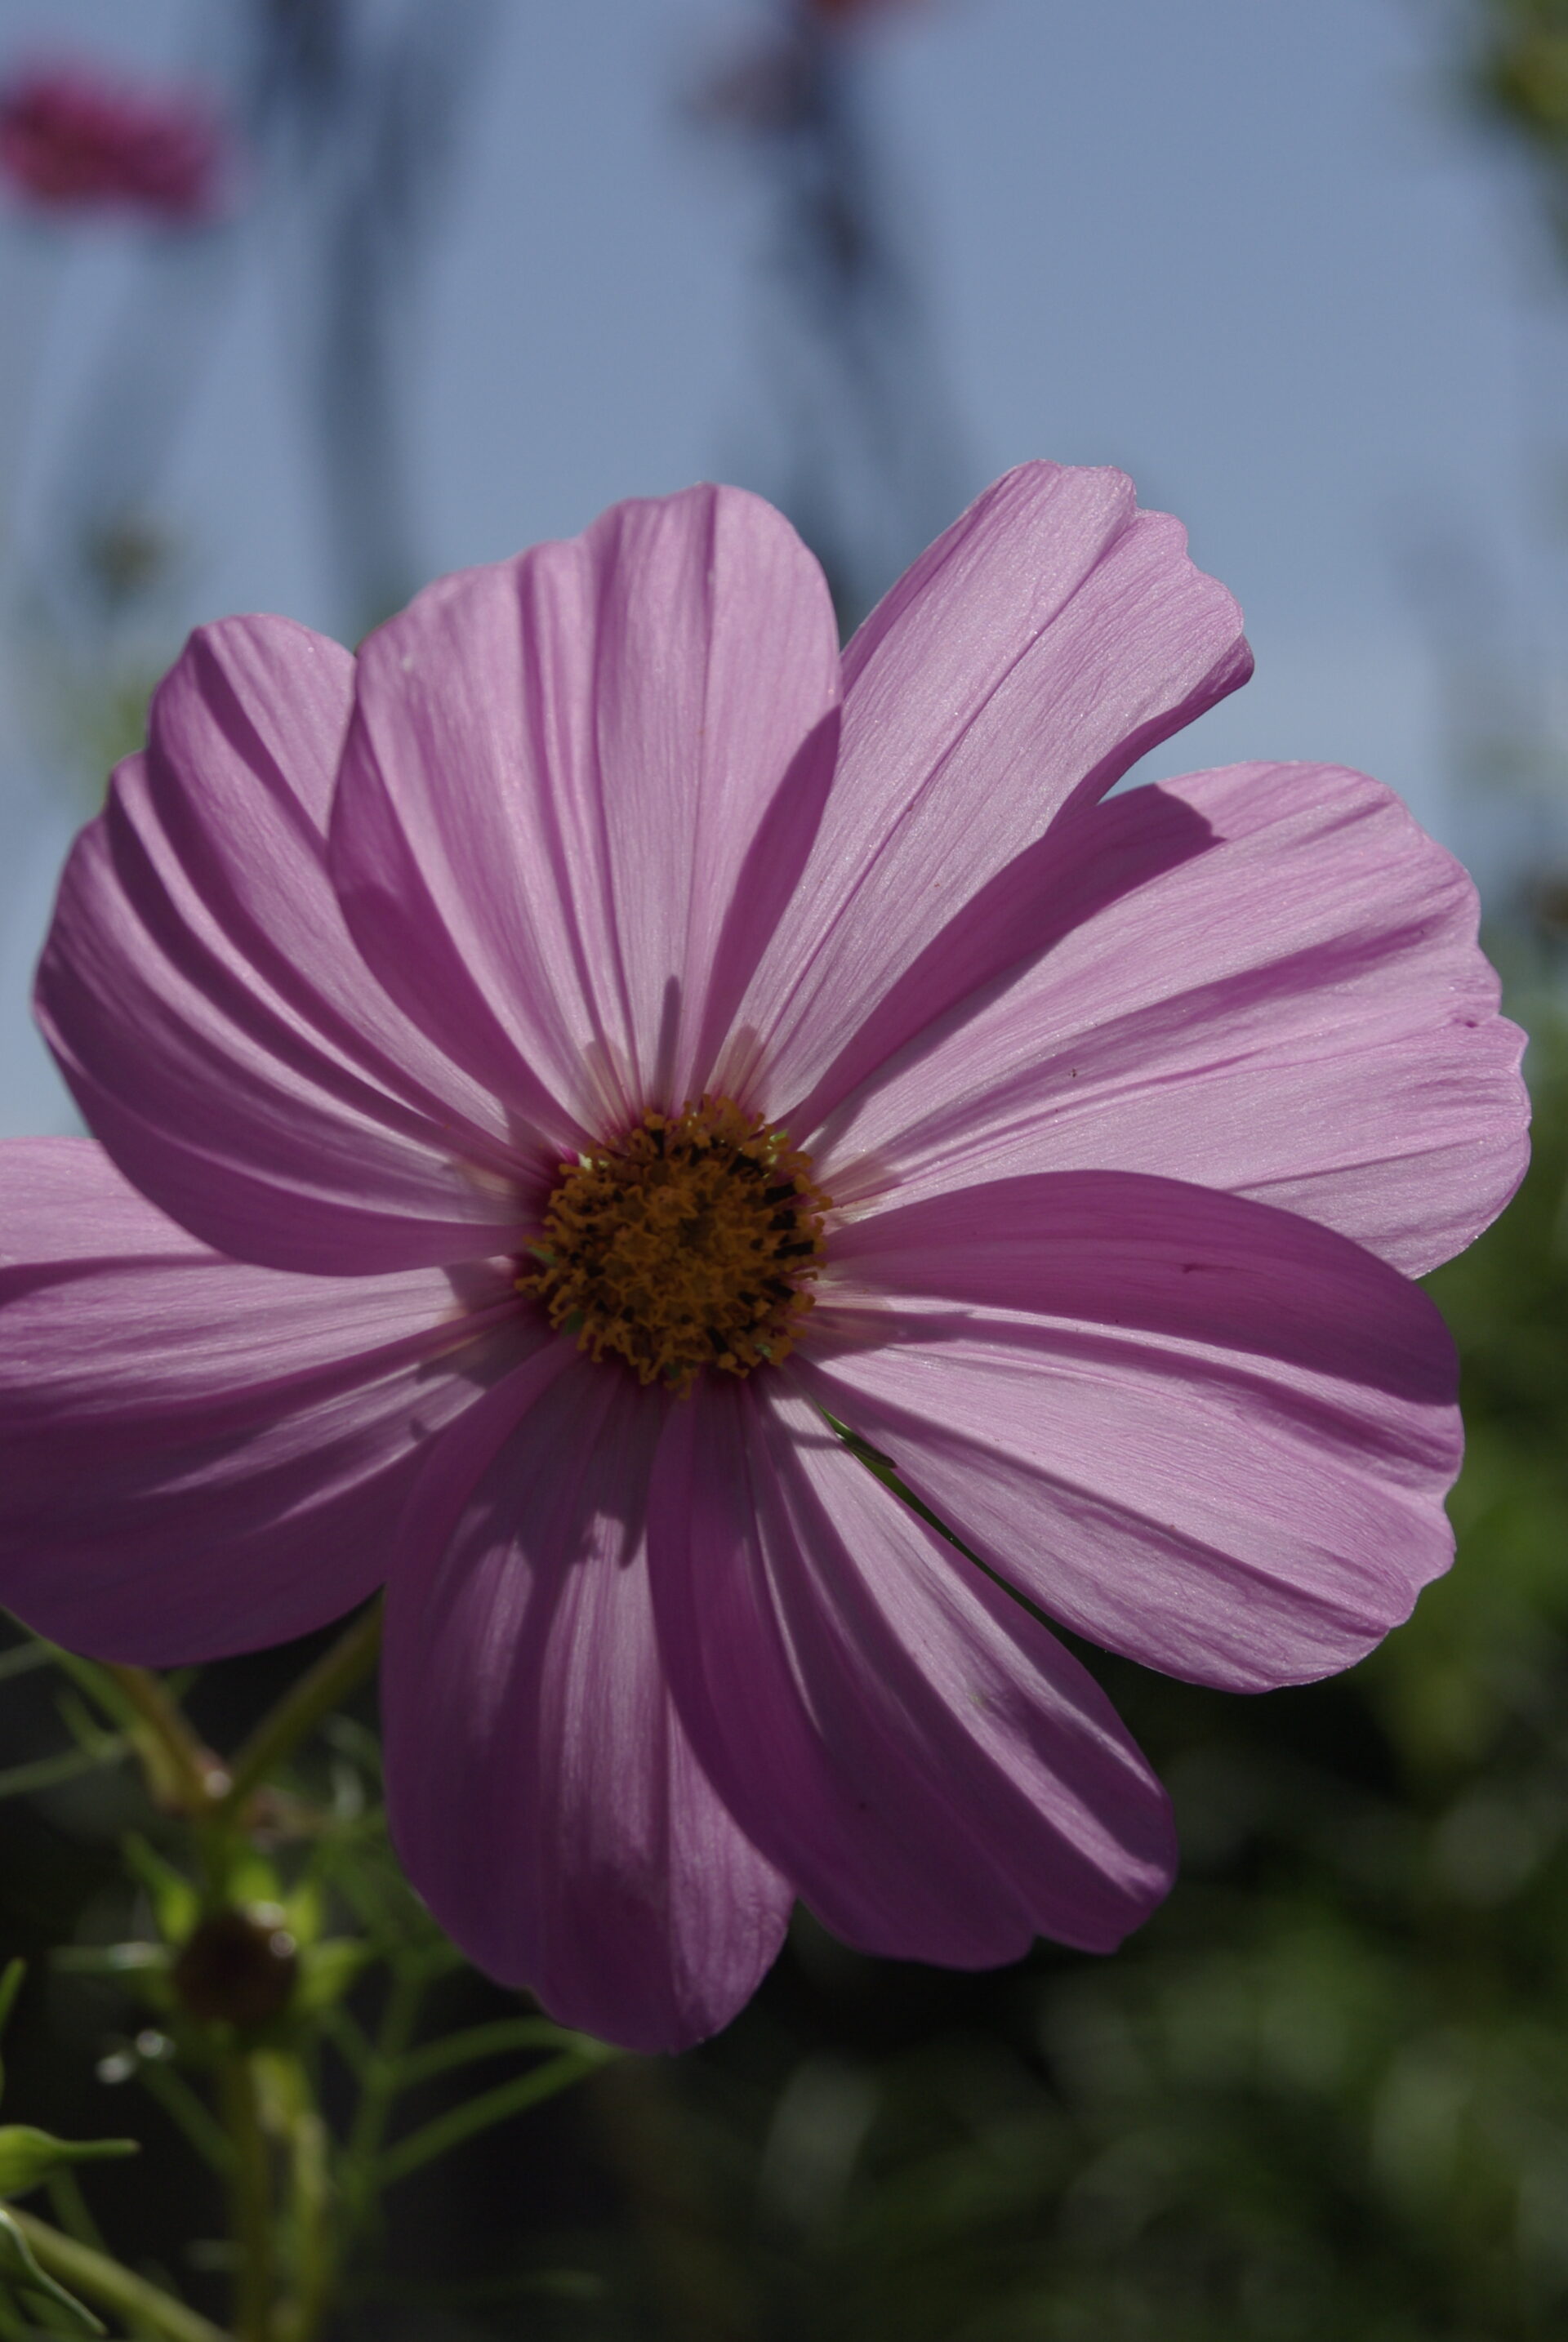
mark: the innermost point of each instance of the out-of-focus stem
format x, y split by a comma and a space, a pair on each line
103, 2282
181, 1771
250, 2199
302, 1707
311, 2204
196, 1774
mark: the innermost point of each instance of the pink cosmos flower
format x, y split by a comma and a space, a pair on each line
552, 1070
71, 140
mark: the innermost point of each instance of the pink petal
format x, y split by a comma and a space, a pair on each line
1029, 657
1204, 1432
198, 1457
220, 1031
936, 1775
1297, 1011
543, 1795
578, 788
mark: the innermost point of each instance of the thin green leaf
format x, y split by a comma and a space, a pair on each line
96, 1682
326, 1972
28, 2156
495, 2039
81, 1723
465, 2122
143, 2307
303, 1910
355, 1741
176, 1906
20, 2270
48, 1772
23, 1658
185, 2110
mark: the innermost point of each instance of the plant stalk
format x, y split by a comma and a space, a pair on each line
103, 2282
182, 1772
250, 2199
302, 1707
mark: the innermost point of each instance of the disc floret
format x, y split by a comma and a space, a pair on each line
692, 1241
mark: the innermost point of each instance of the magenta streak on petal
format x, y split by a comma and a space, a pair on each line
542, 1792
215, 1021
1041, 646
559, 773
937, 1776
1299, 1012
200, 1457
1204, 1432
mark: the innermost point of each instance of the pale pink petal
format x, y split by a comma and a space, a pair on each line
200, 1457
1039, 647
578, 788
940, 1779
543, 1795
1206, 1432
1297, 1011
222, 1034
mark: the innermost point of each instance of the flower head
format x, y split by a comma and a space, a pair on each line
556, 1071
72, 141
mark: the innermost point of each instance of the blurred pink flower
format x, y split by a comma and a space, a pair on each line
552, 1068
772, 86
73, 141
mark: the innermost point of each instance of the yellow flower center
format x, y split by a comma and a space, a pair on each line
692, 1242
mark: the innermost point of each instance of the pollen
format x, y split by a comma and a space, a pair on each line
694, 1241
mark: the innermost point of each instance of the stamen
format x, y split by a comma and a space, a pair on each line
690, 1242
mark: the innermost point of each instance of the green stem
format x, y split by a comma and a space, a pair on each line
181, 1771
302, 1707
310, 2204
103, 2282
250, 2199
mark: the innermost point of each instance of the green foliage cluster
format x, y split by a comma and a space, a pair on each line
1517, 73
271, 1991
1521, 66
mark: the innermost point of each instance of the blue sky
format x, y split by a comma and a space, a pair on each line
1253, 252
